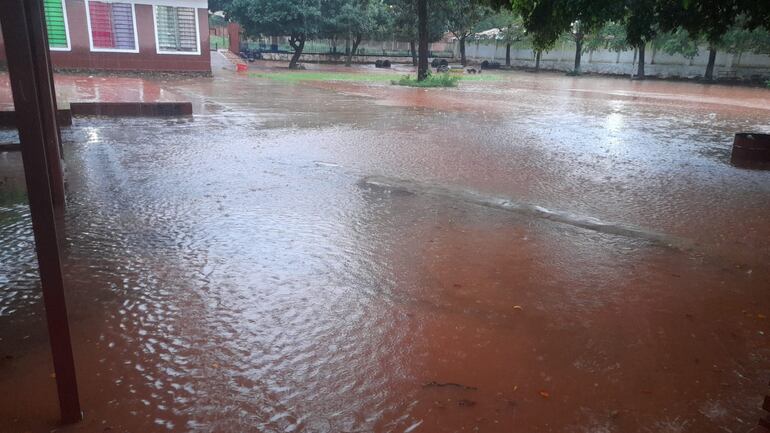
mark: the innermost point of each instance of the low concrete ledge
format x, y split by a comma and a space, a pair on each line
139, 109
110, 109
10, 147
8, 118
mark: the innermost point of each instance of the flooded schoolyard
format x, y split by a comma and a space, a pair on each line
533, 253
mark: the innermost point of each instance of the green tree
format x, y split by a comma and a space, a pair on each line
300, 20
510, 34
742, 39
713, 20
356, 19
755, 13
511, 30
641, 27
578, 34
677, 42
404, 26
611, 36
703, 19
462, 19
547, 20
219, 5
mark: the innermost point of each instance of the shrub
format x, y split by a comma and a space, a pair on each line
437, 80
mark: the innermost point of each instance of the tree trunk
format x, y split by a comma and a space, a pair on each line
710, 66
352, 52
463, 60
298, 44
413, 49
537, 60
508, 54
640, 70
422, 33
347, 45
578, 52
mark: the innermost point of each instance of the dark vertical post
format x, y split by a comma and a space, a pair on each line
422, 39
710, 65
44, 75
23, 70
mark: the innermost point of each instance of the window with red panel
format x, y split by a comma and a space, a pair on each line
112, 26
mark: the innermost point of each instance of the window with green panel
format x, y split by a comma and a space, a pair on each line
56, 21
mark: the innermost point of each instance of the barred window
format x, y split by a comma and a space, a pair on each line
176, 30
112, 26
56, 22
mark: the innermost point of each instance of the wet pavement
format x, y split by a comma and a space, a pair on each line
354, 257
99, 88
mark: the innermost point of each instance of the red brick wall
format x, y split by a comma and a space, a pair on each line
80, 55
234, 37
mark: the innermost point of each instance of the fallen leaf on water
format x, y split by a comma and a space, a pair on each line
761, 316
518, 307
544, 394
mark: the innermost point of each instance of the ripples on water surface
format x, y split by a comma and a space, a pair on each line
230, 273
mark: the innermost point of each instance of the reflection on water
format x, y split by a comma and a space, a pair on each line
228, 272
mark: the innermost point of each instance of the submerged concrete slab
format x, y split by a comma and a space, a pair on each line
118, 109
79, 88
8, 118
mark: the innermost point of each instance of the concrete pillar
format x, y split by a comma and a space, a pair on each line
234, 35
23, 29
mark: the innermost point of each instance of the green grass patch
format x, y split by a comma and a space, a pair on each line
294, 76
217, 42
437, 80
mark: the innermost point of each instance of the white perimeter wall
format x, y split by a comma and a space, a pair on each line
562, 58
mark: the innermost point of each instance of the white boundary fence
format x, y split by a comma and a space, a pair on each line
658, 63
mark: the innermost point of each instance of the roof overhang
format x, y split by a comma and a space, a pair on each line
198, 4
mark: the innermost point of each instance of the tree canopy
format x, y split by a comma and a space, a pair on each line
462, 19
674, 26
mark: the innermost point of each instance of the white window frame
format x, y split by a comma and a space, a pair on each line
181, 53
111, 50
66, 29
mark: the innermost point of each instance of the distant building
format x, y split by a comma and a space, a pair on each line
128, 35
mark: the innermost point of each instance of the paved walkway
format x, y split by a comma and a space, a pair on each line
99, 88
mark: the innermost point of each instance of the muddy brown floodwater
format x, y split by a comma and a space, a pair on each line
535, 254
